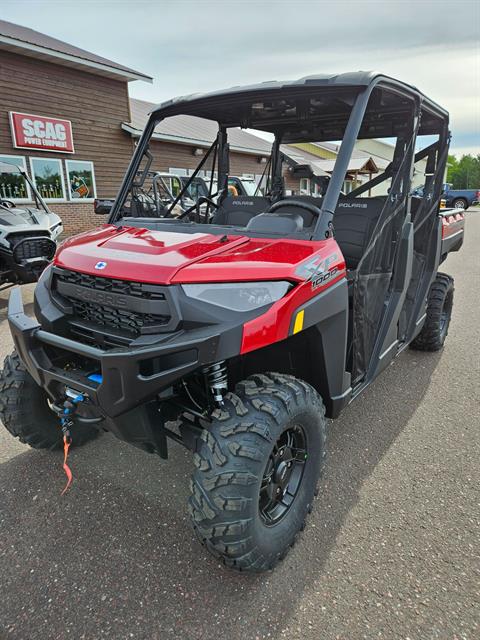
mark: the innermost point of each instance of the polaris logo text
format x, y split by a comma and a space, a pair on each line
100, 297
353, 205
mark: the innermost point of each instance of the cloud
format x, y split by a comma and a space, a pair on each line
200, 46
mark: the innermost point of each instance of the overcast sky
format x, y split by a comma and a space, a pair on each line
189, 46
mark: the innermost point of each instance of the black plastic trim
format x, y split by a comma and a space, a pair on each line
327, 314
20, 273
123, 387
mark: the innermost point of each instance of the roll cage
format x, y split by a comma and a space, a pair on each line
342, 107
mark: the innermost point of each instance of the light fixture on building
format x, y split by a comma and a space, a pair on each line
198, 152
262, 160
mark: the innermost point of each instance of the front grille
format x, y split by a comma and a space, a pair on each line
121, 287
117, 319
15, 237
26, 247
111, 311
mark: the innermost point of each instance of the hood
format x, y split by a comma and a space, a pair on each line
26, 217
164, 257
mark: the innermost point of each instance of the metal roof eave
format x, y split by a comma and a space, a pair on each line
33, 50
165, 137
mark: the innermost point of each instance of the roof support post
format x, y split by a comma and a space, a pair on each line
277, 166
442, 157
323, 227
223, 164
410, 160
142, 147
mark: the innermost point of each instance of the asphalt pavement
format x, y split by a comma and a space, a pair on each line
390, 550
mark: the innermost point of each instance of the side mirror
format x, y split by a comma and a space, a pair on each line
103, 207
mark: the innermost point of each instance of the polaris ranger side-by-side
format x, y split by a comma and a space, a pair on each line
252, 324
28, 233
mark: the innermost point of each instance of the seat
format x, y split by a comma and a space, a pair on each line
276, 223
237, 211
354, 221
309, 218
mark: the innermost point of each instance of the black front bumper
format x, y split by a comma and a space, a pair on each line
20, 272
125, 383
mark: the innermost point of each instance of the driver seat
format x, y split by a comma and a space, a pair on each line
284, 223
309, 218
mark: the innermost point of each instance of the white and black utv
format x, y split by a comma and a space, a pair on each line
28, 232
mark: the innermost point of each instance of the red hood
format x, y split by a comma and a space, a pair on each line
164, 257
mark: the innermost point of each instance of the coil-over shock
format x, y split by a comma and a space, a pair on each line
216, 379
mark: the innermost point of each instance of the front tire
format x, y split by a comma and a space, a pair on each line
257, 469
439, 313
25, 412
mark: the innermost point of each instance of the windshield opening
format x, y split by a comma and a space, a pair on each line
162, 190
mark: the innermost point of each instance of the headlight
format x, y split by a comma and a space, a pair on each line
238, 296
56, 229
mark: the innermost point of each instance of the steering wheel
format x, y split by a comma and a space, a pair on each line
308, 206
7, 203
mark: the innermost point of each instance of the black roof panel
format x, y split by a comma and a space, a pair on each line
314, 107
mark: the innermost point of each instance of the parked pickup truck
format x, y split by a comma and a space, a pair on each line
460, 198
455, 198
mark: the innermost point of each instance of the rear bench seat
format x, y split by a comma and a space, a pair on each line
354, 222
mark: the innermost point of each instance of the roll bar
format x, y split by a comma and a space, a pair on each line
226, 105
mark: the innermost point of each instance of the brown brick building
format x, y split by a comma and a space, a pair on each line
48, 87
48, 79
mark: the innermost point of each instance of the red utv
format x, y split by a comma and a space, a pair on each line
238, 333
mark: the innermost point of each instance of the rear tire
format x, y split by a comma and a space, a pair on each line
439, 312
25, 412
257, 467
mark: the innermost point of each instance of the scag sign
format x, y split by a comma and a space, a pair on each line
41, 132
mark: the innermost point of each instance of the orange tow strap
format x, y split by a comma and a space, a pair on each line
66, 422
66, 468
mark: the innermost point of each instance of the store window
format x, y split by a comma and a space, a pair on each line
305, 186
48, 178
184, 173
178, 171
13, 186
81, 180
317, 190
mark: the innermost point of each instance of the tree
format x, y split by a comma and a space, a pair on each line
464, 173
